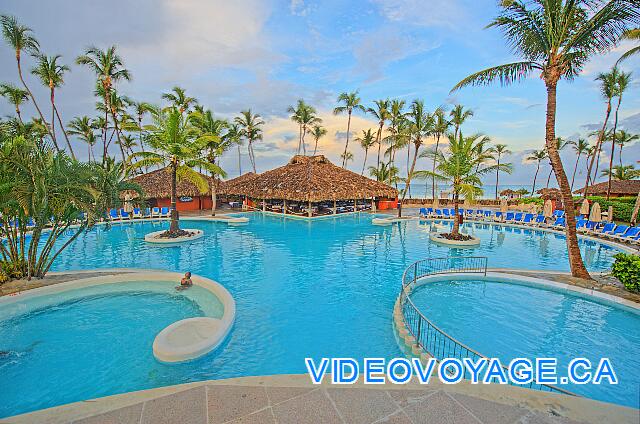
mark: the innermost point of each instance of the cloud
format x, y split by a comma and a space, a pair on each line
435, 13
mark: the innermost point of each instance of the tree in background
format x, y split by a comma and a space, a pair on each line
350, 102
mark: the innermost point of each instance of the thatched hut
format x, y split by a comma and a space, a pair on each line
312, 183
552, 194
156, 186
626, 188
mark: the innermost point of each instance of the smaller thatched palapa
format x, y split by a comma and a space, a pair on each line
618, 188
308, 179
550, 193
231, 186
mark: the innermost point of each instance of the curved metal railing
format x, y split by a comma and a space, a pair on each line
428, 336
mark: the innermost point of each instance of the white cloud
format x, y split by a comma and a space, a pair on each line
447, 13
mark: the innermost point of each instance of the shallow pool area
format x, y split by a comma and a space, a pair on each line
508, 320
302, 289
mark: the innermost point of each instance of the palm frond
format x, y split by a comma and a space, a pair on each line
506, 74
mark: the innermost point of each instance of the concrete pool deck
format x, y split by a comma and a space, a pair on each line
293, 399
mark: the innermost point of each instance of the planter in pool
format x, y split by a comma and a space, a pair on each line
438, 238
165, 241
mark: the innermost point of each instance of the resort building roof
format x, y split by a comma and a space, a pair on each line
308, 178
618, 188
550, 193
157, 185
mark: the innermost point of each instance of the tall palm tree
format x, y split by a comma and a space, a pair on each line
623, 138
557, 38
366, 140
346, 157
632, 34
607, 89
176, 141
396, 120
51, 74
250, 128
317, 132
179, 99
380, 112
622, 82
350, 102
538, 156
109, 69
140, 109
458, 116
384, 173
581, 146
561, 143
16, 96
622, 173
81, 127
296, 116
497, 152
441, 126
308, 119
234, 136
20, 38
422, 124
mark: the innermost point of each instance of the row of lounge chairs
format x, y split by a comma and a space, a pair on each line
137, 213
607, 230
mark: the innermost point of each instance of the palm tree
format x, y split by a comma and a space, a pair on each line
81, 127
175, 141
140, 109
20, 38
581, 146
632, 34
51, 74
317, 132
346, 157
250, 128
234, 136
109, 69
458, 116
538, 156
463, 168
622, 82
350, 102
396, 120
384, 173
557, 39
622, 173
623, 138
422, 124
561, 143
179, 99
14, 95
367, 140
607, 89
496, 152
381, 113
296, 113
308, 119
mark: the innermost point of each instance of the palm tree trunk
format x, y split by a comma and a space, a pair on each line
106, 127
252, 155
596, 151
433, 175
304, 132
53, 122
533, 188
575, 258
549, 176
575, 168
364, 164
456, 217
497, 176
214, 196
379, 141
66, 137
315, 147
346, 145
410, 172
299, 139
239, 161
115, 123
174, 228
613, 146
19, 115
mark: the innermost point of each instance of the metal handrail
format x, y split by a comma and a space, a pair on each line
430, 337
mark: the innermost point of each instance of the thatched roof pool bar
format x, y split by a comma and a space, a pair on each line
308, 186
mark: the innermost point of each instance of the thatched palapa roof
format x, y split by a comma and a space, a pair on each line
157, 185
618, 188
308, 178
549, 193
507, 192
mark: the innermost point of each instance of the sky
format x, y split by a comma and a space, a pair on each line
266, 54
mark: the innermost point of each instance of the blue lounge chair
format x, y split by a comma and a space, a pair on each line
487, 214
580, 223
509, 216
607, 228
155, 212
113, 215
630, 234
539, 219
124, 214
518, 217
438, 213
618, 231
560, 222
528, 218
469, 213
429, 211
446, 213
164, 212
137, 213
591, 226
558, 213
147, 212
498, 216
423, 212
452, 211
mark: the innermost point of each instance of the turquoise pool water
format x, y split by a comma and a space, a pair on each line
323, 288
534, 322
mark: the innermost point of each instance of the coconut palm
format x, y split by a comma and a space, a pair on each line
380, 112
51, 75
384, 173
396, 120
366, 140
118, 111
556, 39
458, 116
308, 119
317, 132
607, 89
496, 152
622, 173
81, 128
622, 82
140, 109
16, 96
581, 147
234, 136
422, 124
177, 142
179, 99
20, 38
350, 102
440, 128
632, 34
561, 143
250, 128
538, 156
346, 157
623, 138
109, 69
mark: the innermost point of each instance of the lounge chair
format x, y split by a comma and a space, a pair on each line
113, 215
580, 223
487, 215
147, 212
630, 234
438, 213
469, 214
518, 217
124, 214
155, 212
528, 218
429, 211
559, 223
423, 212
510, 216
136, 213
558, 213
617, 232
498, 216
164, 212
591, 226
446, 213
606, 229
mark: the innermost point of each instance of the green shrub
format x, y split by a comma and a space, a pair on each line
622, 206
529, 200
626, 268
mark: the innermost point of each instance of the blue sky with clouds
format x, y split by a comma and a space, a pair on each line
265, 54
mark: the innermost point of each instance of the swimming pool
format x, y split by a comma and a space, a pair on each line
507, 320
322, 288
